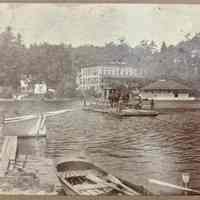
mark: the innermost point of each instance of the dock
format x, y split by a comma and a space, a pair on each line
8, 153
25, 174
25, 127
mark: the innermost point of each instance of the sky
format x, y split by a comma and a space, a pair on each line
97, 24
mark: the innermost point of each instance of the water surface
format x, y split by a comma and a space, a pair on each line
135, 148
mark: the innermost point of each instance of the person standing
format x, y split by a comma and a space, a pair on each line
110, 98
83, 99
120, 104
152, 104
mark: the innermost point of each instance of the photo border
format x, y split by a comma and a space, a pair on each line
106, 1
48, 197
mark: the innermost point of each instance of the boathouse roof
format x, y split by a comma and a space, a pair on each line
166, 85
108, 64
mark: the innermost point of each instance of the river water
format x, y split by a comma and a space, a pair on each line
135, 148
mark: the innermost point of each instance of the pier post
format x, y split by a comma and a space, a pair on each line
186, 179
2, 119
84, 102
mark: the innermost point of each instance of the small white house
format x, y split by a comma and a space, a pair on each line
40, 88
166, 90
25, 86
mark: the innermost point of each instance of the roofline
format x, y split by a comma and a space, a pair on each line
107, 65
182, 86
167, 89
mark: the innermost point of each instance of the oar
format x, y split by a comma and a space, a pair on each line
172, 185
118, 182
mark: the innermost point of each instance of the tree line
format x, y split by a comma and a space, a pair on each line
58, 64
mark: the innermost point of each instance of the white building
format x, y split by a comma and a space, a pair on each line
40, 88
25, 84
94, 76
166, 90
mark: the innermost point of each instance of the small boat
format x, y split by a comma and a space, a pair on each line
81, 177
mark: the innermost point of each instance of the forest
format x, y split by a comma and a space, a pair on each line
58, 64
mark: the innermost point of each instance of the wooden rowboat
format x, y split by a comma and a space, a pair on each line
81, 177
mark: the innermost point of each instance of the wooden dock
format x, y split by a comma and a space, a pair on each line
26, 174
33, 127
8, 153
38, 173
41, 167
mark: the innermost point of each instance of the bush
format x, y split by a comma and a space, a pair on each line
7, 92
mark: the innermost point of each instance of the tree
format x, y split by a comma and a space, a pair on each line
163, 47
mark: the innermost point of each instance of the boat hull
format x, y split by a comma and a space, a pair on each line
106, 184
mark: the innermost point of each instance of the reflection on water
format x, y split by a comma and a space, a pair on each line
134, 148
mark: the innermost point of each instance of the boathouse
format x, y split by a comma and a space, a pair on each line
166, 90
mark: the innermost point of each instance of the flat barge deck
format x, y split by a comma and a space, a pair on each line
123, 113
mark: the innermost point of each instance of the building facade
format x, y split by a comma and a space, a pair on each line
95, 76
166, 90
40, 88
25, 84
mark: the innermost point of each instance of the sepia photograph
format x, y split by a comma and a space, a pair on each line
99, 99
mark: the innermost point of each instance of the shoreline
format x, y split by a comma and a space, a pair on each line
163, 106
36, 100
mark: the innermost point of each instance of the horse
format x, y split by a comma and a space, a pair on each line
110, 98
125, 98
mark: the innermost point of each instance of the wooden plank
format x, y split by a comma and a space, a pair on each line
43, 167
40, 128
8, 152
13, 147
37, 127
